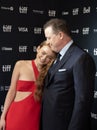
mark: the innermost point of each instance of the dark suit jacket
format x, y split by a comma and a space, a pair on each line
68, 93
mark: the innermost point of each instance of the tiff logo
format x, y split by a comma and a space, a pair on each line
37, 30
75, 11
22, 48
7, 28
85, 31
52, 13
6, 68
86, 10
23, 10
95, 51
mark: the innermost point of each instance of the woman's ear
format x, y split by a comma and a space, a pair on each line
38, 48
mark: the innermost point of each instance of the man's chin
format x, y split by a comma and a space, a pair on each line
55, 50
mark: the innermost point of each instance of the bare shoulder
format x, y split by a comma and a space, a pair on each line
23, 62
20, 62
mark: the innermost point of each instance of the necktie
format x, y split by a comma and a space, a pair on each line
57, 58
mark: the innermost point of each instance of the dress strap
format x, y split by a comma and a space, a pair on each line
36, 72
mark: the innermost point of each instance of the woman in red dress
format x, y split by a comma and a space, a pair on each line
22, 105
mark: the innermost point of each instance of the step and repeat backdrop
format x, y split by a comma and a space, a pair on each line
21, 31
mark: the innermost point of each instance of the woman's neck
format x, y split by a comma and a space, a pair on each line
39, 67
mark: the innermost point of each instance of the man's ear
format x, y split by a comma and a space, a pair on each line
61, 35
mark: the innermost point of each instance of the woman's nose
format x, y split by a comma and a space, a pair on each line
48, 40
44, 57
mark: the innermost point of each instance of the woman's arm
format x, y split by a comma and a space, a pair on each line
11, 92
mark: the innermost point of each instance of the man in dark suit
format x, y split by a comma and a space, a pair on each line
69, 85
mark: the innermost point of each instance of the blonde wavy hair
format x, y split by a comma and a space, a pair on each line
40, 80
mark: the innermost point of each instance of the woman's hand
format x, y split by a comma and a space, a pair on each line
2, 124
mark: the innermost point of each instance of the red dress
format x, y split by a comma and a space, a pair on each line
24, 114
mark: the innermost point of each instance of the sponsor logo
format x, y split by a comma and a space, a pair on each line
34, 48
96, 74
7, 8
95, 94
65, 13
75, 31
95, 51
2, 107
86, 10
38, 11
96, 9
95, 30
86, 50
4, 88
6, 48
93, 115
23, 29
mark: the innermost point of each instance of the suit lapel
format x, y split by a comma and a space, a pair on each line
63, 61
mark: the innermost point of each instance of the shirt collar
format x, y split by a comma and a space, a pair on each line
65, 48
